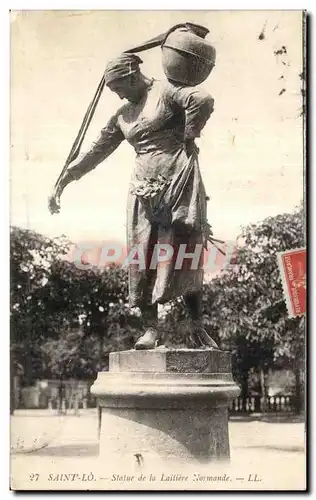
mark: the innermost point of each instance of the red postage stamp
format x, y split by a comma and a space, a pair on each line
292, 264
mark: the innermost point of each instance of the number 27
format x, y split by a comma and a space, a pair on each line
34, 477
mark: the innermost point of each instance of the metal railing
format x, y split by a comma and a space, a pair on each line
259, 404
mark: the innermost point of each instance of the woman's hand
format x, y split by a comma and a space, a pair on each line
54, 199
54, 202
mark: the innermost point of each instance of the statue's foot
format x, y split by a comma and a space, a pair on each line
149, 340
198, 337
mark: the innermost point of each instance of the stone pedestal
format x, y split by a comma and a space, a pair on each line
165, 404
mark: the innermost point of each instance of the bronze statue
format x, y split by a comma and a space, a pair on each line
167, 199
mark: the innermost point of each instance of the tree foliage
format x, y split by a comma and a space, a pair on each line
64, 320
32, 257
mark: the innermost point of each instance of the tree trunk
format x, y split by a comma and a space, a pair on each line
101, 337
12, 389
263, 391
244, 391
299, 388
101, 331
61, 395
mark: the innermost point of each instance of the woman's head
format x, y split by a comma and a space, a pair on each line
123, 76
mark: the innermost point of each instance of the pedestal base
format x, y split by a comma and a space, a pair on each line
165, 405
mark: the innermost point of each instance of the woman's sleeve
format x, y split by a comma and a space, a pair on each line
198, 106
109, 139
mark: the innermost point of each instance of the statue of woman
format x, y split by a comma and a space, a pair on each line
167, 199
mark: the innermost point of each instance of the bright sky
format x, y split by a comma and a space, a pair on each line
251, 154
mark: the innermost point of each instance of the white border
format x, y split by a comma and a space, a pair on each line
161, 5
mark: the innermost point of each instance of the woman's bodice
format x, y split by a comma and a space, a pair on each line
157, 127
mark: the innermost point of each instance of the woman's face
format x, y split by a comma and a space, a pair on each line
126, 88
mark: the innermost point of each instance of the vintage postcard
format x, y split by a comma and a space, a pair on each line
158, 250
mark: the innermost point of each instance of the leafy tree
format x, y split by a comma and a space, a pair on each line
32, 257
99, 321
64, 320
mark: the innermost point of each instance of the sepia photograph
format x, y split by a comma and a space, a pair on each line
158, 250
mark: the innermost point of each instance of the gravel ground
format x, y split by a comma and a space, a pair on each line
46, 444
